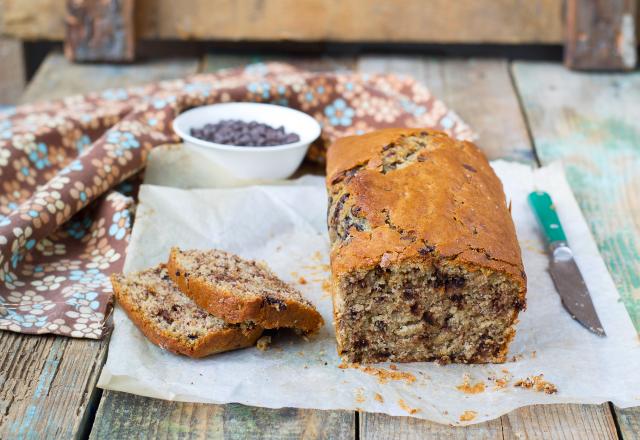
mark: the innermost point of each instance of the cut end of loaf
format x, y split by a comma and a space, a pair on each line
417, 312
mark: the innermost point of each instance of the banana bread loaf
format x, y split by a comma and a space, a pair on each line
424, 257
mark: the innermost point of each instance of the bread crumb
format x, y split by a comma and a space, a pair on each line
467, 416
533, 354
402, 404
360, 395
467, 388
263, 343
302, 280
537, 383
294, 274
378, 397
326, 287
385, 376
393, 367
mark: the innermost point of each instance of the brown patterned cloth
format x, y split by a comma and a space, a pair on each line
65, 202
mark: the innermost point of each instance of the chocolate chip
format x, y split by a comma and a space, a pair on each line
428, 318
360, 343
164, 314
415, 309
380, 325
277, 303
192, 336
455, 282
241, 133
409, 293
426, 250
176, 308
470, 168
177, 273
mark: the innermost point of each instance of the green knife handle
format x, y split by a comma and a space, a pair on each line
547, 216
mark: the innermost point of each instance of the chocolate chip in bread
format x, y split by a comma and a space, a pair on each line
424, 256
172, 320
238, 290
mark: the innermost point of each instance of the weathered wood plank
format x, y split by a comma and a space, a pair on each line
384, 427
98, 30
590, 122
629, 422
58, 77
441, 21
213, 62
127, 416
481, 91
545, 422
12, 71
600, 35
47, 384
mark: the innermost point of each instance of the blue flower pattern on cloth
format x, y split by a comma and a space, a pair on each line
339, 113
124, 139
82, 143
120, 225
40, 156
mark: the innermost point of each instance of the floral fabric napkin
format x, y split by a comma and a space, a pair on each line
67, 200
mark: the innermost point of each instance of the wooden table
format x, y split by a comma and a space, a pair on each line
531, 112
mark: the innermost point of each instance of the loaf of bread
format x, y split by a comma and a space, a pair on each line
238, 290
168, 318
424, 256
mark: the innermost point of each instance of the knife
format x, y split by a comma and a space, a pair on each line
564, 271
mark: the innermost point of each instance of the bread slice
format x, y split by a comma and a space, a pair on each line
172, 321
238, 290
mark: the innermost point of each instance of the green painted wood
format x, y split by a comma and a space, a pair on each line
124, 415
590, 122
47, 383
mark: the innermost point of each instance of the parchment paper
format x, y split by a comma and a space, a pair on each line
284, 225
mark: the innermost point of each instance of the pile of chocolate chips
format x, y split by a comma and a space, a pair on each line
244, 134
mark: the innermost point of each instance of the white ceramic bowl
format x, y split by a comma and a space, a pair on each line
251, 163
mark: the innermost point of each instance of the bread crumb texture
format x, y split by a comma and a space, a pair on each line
537, 383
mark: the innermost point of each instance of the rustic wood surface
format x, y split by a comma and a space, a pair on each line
600, 35
57, 77
99, 30
590, 122
126, 416
441, 21
47, 384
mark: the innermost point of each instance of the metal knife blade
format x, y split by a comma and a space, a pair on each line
563, 269
572, 289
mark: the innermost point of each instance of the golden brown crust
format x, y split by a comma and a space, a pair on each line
214, 342
450, 197
235, 309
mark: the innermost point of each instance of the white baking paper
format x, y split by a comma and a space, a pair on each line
284, 225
